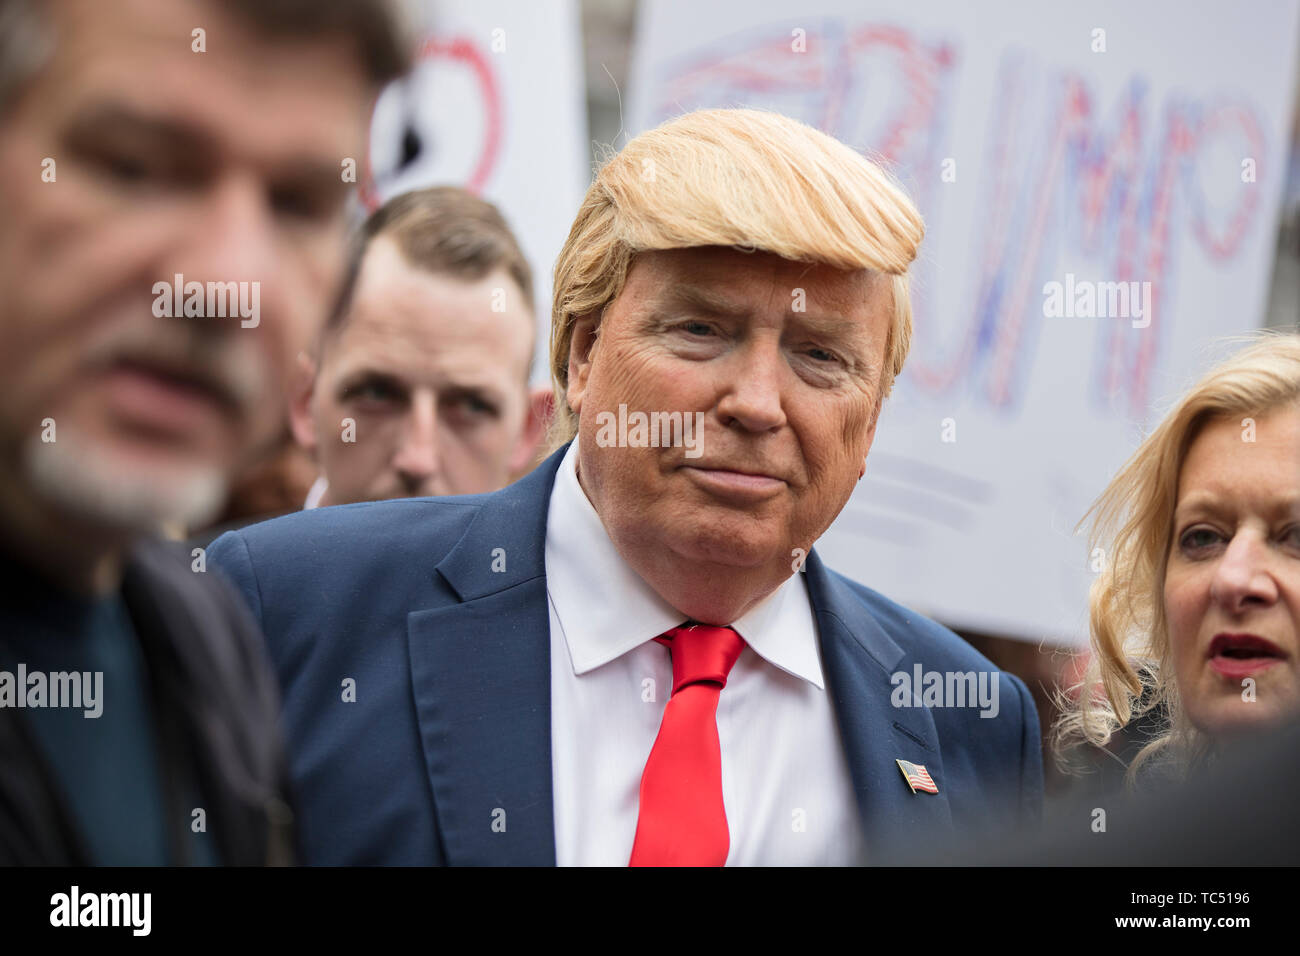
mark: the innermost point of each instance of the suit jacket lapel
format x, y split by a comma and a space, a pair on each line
481, 679
859, 658
481, 676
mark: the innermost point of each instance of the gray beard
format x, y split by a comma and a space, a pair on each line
87, 479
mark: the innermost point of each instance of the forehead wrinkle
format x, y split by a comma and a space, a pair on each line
385, 344
446, 309
1217, 497
212, 90
703, 298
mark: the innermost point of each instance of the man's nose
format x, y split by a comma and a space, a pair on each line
417, 458
229, 244
752, 397
1242, 578
234, 234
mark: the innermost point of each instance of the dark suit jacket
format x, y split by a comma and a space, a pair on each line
451, 664
216, 709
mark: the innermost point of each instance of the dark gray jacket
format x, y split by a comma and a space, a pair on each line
216, 706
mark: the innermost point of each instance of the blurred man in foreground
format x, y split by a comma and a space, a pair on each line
173, 233
420, 387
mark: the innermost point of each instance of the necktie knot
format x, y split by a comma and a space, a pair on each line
702, 652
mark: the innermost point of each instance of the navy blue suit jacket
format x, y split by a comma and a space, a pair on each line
450, 729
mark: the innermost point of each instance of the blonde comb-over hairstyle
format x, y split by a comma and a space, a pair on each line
743, 178
1131, 670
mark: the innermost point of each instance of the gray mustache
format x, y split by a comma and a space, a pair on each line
215, 362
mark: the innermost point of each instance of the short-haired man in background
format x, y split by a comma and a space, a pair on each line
420, 386
155, 155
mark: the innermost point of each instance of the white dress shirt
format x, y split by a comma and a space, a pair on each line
316, 493
785, 781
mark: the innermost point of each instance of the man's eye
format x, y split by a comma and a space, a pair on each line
299, 204
696, 328
374, 392
473, 405
1291, 537
822, 355
126, 168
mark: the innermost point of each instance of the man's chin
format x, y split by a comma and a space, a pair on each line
104, 485
725, 545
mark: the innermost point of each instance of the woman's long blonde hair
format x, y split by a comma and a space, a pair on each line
1130, 673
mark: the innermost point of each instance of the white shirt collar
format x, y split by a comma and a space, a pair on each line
317, 492
606, 609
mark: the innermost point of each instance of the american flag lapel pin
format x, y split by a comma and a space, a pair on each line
917, 777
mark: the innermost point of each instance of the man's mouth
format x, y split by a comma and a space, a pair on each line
731, 468
1238, 655
735, 483
168, 398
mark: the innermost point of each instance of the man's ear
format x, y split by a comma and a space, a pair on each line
583, 338
302, 386
541, 405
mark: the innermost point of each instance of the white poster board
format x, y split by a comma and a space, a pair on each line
1044, 142
497, 103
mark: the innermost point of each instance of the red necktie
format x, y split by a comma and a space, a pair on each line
681, 820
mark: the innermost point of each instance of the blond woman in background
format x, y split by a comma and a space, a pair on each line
1195, 618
